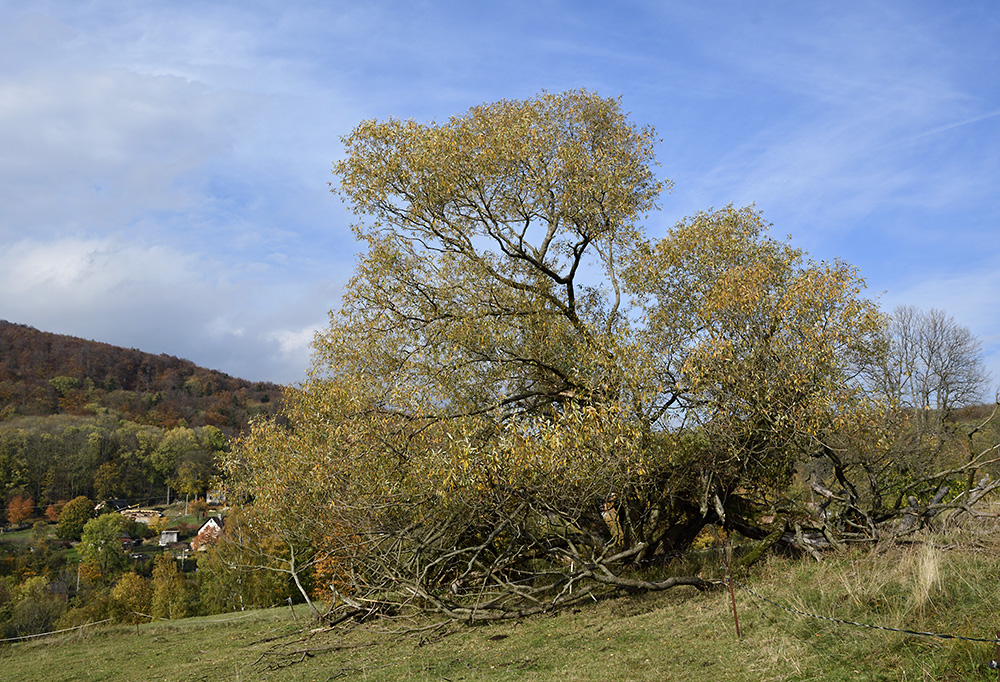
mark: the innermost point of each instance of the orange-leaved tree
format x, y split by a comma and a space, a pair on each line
19, 509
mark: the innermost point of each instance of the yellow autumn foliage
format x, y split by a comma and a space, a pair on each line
514, 359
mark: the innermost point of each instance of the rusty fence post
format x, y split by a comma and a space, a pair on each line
729, 579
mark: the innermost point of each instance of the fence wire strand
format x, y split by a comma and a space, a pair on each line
938, 635
55, 632
23, 638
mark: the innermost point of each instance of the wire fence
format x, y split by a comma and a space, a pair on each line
745, 588
55, 632
841, 621
213, 621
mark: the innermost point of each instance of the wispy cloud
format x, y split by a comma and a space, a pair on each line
164, 166
163, 300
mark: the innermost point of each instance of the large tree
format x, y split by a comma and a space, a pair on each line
101, 543
74, 516
522, 393
933, 363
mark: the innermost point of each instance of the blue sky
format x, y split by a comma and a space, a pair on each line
164, 165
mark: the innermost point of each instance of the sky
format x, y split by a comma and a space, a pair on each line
164, 166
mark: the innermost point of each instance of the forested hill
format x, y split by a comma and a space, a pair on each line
45, 374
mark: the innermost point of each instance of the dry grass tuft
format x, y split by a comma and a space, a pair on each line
927, 576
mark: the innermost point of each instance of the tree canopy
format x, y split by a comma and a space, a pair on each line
522, 392
74, 516
101, 542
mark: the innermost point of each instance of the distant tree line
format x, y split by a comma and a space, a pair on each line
50, 460
86, 418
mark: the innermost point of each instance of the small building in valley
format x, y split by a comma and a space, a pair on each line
209, 533
169, 537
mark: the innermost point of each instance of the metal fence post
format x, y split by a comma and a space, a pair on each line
732, 592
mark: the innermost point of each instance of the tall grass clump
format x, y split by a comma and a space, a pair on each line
923, 586
926, 576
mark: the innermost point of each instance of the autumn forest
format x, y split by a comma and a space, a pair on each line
86, 418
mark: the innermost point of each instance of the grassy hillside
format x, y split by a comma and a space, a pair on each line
945, 584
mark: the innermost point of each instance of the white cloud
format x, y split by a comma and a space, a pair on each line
163, 177
163, 185
89, 147
164, 300
71, 271
296, 342
822, 115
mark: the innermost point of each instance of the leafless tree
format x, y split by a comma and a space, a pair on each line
934, 363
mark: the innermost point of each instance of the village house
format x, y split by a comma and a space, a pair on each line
169, 537
208, 533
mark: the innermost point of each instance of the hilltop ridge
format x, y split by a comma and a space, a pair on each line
42, 373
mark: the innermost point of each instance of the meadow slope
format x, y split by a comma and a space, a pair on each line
938, 584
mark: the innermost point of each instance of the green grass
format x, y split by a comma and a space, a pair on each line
23, 535
676, 635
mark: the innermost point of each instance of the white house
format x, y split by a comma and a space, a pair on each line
169, 537
208, 533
